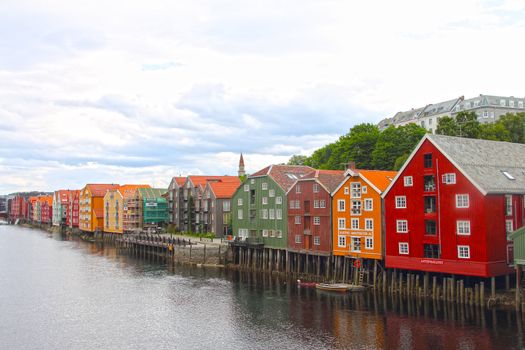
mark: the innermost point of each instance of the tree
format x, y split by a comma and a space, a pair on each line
394, 143
447, 126
515, 125
468, 124
494, 132
297, 159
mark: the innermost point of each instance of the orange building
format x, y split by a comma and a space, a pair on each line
91, 206
356, 214
115, 207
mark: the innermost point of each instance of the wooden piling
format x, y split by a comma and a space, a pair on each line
482, 294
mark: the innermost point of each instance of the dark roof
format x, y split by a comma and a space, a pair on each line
284, 175
330, 179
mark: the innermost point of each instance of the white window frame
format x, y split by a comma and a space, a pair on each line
278, 200
347, 190
449, 178
461, 250
279, 234
246, 188
264, 214
462, 201
341, 205
271, 214
369, 224
509, 225
317, 220
353, 247
341, 223
355, 190
355, 223
271, 193
322, 203
401, 202
364, 189
463, 228
401, 247
264, 200
265, 233
356, 207
239, 214
298, 239
316, 203
317, 240
279, 214
298, 188
316, 187
264, 186
508, 205
400, 224
297, 220
369, 242
341, 241
369, 204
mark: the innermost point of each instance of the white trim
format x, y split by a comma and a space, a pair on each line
468, 251
399, 248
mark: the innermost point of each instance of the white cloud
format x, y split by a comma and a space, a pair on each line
136, 92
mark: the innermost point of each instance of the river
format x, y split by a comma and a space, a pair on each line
70, 294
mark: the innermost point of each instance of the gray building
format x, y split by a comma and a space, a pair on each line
487, 107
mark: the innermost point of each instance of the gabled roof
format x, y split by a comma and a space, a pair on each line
197, 180
224, 189
441, 107
128, 190
379, 178
284, 175
179, 180
99, 190
329, 179
493, 167
62, 196
152, 193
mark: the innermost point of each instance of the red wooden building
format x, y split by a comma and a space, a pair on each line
309, 209
451, 205
18, 209
72, 209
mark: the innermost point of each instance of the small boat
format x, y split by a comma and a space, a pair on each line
339, 287
306, 284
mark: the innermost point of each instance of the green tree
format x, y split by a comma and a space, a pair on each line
494, 132
395, 142
515, 125
468, 125
297, 159
447, 126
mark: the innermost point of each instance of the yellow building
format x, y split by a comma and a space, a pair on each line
115, 207
91, 206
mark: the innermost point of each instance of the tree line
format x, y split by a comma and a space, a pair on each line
370, 148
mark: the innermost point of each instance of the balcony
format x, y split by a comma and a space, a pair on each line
429, 184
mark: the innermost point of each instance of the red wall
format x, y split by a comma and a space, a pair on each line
487, 240
323, 230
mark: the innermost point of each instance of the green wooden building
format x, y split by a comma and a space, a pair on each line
518, 238
155, 211
259, 206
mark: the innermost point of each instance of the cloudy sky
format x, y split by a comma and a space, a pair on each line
139, 91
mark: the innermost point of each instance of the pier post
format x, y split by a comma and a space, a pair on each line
518, 286
493, 287
482, 293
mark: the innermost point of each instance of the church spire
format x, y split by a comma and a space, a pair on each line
241, 171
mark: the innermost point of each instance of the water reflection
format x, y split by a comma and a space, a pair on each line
74, 294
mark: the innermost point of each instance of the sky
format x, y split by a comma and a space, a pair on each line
141, 91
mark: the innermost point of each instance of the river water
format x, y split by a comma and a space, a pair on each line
59, 294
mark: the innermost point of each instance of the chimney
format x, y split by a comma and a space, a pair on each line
350, 165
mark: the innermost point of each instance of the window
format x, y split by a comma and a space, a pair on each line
298, 188
429, 184
297, 220
508, 205
341, 242
271, 214
462, 201
341, 205
463, 227
239, 214
408, 181
279, 200
246, 188
520, 104
347, 190
509, 226
355, 190
317, 220
316, 188
369, 224
265, 233
239, 202
271, 193
502, 103
485, 114
279, 214
449, 178
264, 200
511, 103
402, 226
341, 223
364, 189
403, 248
317, 240
401, 202
369, 243
272, 233
431, 251
368, 204
463, 252
356, 244
279, 234
430, 227
316, 203
264, 186
355, 224
427, 160
356, 207
264, 214
322, 203
297, 238
292, 204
